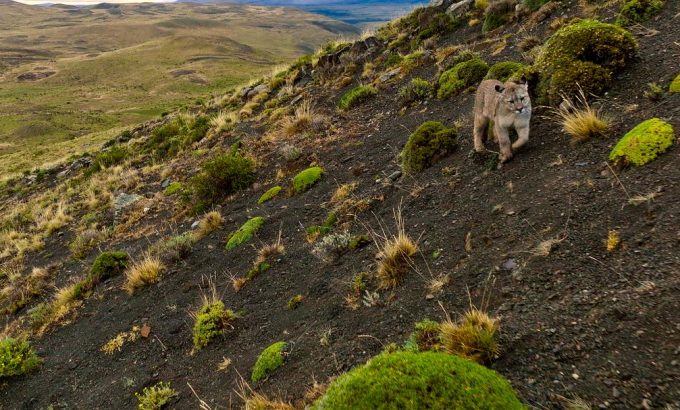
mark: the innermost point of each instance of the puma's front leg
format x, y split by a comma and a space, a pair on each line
478, 132
504, 142
523, 137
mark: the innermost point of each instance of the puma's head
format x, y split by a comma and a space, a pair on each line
515, 96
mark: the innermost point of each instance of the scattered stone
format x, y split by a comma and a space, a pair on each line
458, 10
394, 176
124, 200
390, 74
509, 265
166, 183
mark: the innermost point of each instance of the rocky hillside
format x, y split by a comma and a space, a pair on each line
247, 251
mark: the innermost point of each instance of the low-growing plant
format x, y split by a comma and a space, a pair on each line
142, 273
395, 253
654, 92
497, 14
269, 360
173, 188
269, 195
155, 397
637, 11
461, 76
504, 70
426, 336
416, 90
306, 179
223, 175
107, 264
356, 96
112, 156
16, 357
295, 301
643, 143
580, 120
208, 224
244, 233
426, 145
86, 240
332, 246
473, 336
301, 120
210, 321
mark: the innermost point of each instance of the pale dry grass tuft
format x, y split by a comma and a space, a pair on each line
267, 251
395, 253
52, 218
473, 336
436, 284
300, 121
223, 121
580, 120
208, 224
143, 273
253, 400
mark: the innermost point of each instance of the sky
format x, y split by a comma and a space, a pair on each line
88, 2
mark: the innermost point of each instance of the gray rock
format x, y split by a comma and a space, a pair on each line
166, 183
394, 176
124, 200
509, 264
389, 75
195, 224
459, 9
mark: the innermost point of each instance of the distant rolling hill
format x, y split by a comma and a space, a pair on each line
357, 12
69, 76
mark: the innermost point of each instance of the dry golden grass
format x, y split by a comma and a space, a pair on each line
613, 240
116, 343
395, 253
580, 120
224, 365
142, 273
343, 192
436, 284
267, 251
300, 121
238, 283
472, 337
52, 218
224, 121
208, 224
253, 400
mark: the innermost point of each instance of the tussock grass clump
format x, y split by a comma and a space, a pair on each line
142, 273
395, 253
269, 195
407, 380
253, 400
497, 14
16, 357
86, 240
461, 76
223, 175
269, 360
643, 143
210, 321
306, 179
223, 121
244, 233
301, 120
156, 396
472, 337
638, 11
175, 248
580, 120
356, 96
208, 224
417, 89
427, 145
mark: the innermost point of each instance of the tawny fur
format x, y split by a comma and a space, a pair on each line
508, 106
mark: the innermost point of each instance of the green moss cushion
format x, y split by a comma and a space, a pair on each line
244, 233
269, 195
428, 143
637, 11
644, 143
586, 53
428, 380
504, 70
305, 179
461, 76
269, 360
356, 96
675, 85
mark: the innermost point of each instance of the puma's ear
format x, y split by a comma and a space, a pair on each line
523, 80
499, 89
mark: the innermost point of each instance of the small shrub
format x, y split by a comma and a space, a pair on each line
295, 302
107, 265
332, 246
472, 337
393, 59
675, 85
584, 55
16, 357
416, 90
269, 195
223, 175
461, 76
504, 70
173, 188
428, 380
174, 249
306, 179
172, 137
356, 96
637, 11
142, 273
428, 143
643, 143
425, 337
155, 397
269, 360
394, 256
244, 233
113, 156
211, 320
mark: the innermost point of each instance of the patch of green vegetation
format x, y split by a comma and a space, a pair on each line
306, 179
113, 156
461, 76
269, 360
356, 96
257, 270
504, 70
675, 85
169, 139
393, 59
425, 337
497, 14
638, 11
440, 23
427, 380
211, 321
16, 357
416, 90
244, 233
173, 188
269, 195
359, 241
223, 175
175, 248
107, 265
586, 53
315, 231
155, 397
295, 302
644, 142
428, 143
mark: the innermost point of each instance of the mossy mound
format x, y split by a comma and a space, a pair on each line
428, 143
269, 360
505, 70
16, 357
173, 188
107, 265
675, 85
637, 11
211, 321
356, 96
461, 76
428, 380
306, 179
244, 233
269, 195
643, 143
586, 53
